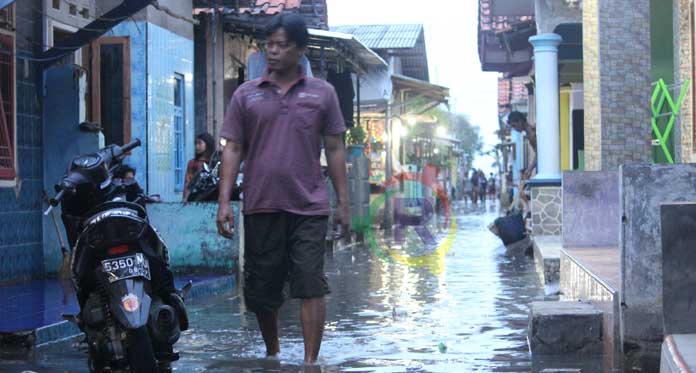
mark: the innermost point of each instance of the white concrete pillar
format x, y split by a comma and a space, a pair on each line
547, 106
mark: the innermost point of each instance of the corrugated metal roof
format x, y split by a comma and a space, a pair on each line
366, 55
384, 36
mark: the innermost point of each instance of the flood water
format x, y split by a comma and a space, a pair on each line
471, 315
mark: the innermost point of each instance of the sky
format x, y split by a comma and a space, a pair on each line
451, 28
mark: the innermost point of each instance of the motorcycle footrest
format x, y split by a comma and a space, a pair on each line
71, 318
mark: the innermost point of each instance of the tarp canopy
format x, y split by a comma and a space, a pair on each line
4, 3
93, 30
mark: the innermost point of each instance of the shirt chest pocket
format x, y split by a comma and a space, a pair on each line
307, 116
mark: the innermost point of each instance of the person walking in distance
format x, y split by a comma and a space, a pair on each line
278, 123
484, 186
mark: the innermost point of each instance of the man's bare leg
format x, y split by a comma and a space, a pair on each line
268, 323
313, 315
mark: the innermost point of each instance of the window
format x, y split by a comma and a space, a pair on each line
73, 9
56, 4
85, 13
179, 132
7, 108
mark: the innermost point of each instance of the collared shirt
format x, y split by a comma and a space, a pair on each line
281, 136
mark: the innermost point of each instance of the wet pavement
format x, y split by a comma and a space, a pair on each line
381, 316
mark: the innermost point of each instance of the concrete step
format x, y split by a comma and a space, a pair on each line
547, 258
565, 328
678, 354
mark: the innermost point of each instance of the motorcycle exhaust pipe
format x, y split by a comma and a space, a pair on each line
164, 324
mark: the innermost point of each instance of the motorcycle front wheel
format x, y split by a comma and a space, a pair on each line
141, 355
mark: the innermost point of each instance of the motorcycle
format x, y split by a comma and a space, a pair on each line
130, 312
205, 184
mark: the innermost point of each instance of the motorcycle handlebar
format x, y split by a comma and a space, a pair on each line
55, 201
131, 145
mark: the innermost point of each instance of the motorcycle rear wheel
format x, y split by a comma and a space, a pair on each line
141, 355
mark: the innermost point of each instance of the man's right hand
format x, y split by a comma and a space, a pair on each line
225, 220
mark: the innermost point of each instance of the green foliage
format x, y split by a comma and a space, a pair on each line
356, 136
459, 127
468, 134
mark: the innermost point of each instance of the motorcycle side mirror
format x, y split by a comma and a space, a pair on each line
90, 127
206, 167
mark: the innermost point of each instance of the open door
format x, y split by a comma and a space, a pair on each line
110, 86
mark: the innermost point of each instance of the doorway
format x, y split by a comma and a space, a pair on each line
111, 88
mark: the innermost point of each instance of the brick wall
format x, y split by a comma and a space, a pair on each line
683, 68
21, 247
593, 112
617, 82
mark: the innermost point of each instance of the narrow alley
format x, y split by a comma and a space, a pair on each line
381, 317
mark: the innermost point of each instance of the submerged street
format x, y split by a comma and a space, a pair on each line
381, 317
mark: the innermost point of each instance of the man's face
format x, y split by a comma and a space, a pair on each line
516, 125
129, 176
283, 55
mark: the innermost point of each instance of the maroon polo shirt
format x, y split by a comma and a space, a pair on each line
281, 136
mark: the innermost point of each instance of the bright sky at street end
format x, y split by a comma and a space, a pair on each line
451, 28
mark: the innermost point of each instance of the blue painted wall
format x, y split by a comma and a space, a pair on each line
62, 141
190, 232
21, 253
156, 56
155, 53
169, 54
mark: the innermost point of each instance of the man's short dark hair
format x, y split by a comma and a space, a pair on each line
516, 116
294, 26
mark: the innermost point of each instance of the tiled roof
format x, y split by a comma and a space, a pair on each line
511, 91
490, 22
313, 11
273, 6
384, 36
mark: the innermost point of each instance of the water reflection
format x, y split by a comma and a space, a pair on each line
386, 317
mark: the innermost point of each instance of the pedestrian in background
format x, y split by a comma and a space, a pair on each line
468, 190
518, 122
278, 122
484, 186
205, 147
475, 186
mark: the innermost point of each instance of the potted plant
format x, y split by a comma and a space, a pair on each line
356, 141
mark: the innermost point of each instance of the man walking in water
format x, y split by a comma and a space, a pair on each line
277, 123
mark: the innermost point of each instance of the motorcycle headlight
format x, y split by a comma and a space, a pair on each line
130, 302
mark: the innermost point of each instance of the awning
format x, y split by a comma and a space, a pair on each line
421, 88
4, 3
504, 29
95, 29
347, 47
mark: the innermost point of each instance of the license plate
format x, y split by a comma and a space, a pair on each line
126, 267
